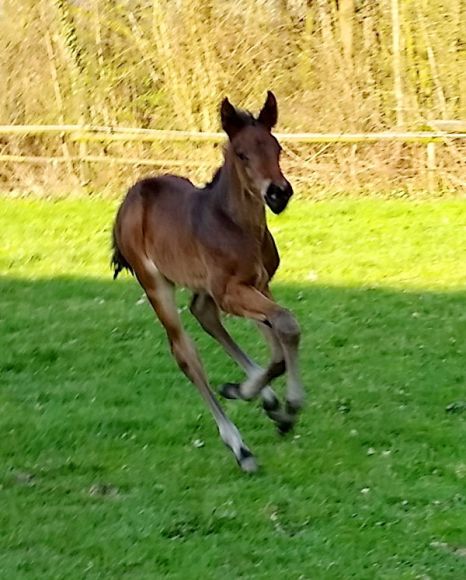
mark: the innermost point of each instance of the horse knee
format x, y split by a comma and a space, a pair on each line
286, 327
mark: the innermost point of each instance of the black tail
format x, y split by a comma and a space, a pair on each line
118, 260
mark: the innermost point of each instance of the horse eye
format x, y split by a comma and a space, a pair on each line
242, 156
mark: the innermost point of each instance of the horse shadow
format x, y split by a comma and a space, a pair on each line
360, 346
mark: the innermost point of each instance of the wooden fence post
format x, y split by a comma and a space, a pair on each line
431, 166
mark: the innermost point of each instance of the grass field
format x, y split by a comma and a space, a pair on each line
111, 467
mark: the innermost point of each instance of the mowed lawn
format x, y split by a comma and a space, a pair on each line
111, 467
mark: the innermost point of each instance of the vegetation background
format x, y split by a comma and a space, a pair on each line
335, 65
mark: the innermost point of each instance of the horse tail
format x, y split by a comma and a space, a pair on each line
118, 261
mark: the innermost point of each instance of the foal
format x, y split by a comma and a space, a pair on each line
215, 242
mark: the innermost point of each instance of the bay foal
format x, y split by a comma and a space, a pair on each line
215, 242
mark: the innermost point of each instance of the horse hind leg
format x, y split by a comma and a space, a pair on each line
160, 293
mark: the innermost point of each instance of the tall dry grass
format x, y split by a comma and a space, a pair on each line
167, 64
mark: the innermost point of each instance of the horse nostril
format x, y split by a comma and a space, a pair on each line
287, 189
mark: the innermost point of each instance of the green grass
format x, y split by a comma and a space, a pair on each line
99, 474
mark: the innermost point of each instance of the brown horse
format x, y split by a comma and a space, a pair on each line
215, 241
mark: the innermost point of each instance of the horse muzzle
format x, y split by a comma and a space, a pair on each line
277, 197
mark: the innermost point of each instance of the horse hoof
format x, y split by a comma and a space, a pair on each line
230, 391
248, 462
249, 465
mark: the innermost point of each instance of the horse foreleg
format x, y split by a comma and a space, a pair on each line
206, 312
248, 302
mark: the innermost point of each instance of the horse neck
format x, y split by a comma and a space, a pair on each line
242, 206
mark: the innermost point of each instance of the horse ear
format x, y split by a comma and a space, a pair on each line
269, 113
232, 123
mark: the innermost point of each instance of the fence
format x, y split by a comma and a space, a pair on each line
72, 144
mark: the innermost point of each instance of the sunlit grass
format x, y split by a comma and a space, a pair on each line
389, 244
